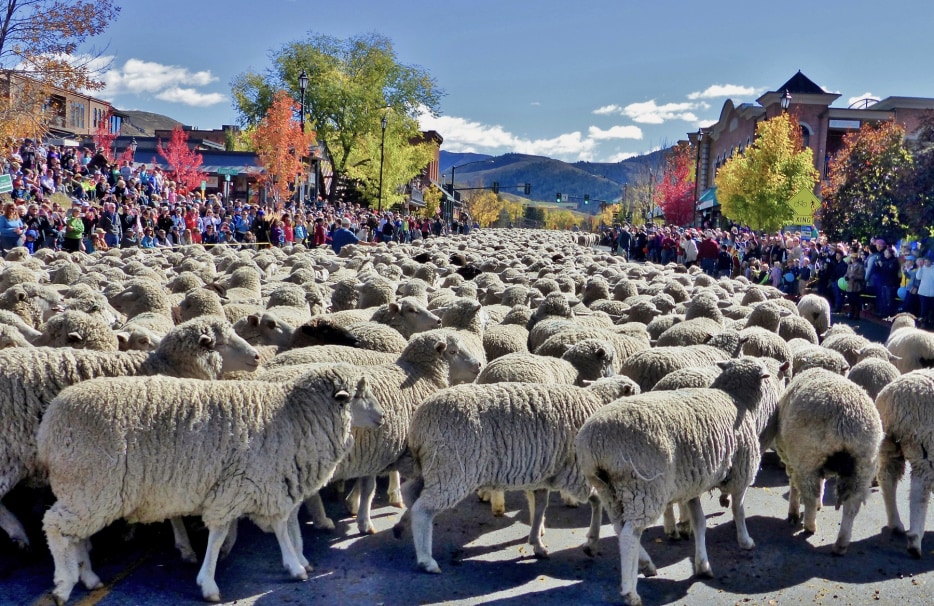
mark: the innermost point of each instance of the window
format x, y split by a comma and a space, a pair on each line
76, 117
805, 135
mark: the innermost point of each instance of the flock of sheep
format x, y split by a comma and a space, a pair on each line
148, 385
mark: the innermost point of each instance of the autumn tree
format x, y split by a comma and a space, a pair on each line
352, 85
280, 144
754, 187
485, 207
184, 162
862, 198
675, 191
432, 199
39, 44
917, 191
103, 137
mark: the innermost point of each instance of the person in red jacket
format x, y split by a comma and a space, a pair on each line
707, 252
320, 235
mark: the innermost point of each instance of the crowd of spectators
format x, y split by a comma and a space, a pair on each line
73, 199
878, 277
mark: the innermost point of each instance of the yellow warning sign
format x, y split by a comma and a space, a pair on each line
803, 205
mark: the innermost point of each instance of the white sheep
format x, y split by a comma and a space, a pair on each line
873, 374
500, 436
587, 360
908, 421
828, 426
913, 347
648, 367
203, 348
148, 449
644, 452
78, 330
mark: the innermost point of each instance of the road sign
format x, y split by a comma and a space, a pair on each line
204, 186
803, 205
6, 184
225, 170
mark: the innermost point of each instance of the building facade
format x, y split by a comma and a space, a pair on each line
822, 129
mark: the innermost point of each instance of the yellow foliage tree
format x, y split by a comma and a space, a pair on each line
432, 198
753, 188
485, 207
560, 218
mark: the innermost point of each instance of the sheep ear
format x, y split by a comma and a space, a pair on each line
600, 353
206, 341
342, 396
394, 307
587, 382
21, 296
361, 385
74, 337
123, 338
723, 364
253, 320
440, 346
784, 367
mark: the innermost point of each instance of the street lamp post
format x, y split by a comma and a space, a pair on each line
302, 85
700, 137
453, 186
382, 145
786, 101
133, 146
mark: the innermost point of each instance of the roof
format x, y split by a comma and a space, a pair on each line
801, 84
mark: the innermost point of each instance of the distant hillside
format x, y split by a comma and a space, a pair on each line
145, 124
601, 181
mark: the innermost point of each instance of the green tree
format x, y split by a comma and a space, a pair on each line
432, 198
917, 191
485, 207
862, 198
352, 85
753, 188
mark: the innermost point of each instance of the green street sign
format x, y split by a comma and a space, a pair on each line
6, 184
204, 185
224, 170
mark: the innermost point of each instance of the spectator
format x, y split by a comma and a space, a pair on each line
74, 230
925, 291
888, 273
724, 262
11, 228
855, 284
707, 252
149, 240
260, 228
343, 236
690, 249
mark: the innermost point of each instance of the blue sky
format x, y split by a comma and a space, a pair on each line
586, 80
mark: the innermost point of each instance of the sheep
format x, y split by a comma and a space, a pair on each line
647, 367
432, 361
503, 339
587, 360
407, 315
30, 378
905, 409
703, 306
768, 315
828, 426
8, 318
694, 376
644, 452
554, 304
659, 325
815, 356
376, 337
375, 291
467, 317
875, 350
197, 453
848, 346
78, 330
623, 344
873, 374
265, 329
913, 347
540, 421
696, 331
797, 327
138, 338
34, 304
816, 310
330, 353
10, 337
761, 343
200, 302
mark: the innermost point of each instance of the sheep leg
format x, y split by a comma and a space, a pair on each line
182, 542
290, 559
422, 518
891, 470
367, 488
918, 501
850, 509
669, 523
394, 491
629, 548
90, 580
230, 539
684, 520
209, 590
315, 508
13, 528
699, 526
794, 503
498, 503
811, 488
295, 535
596, 517
65, 556
353, 499
739, 518
538, 503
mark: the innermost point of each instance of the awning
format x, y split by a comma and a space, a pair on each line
708, 199
63, 142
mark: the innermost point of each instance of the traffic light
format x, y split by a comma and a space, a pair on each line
528, 189
495, 187
586, 198
558, 197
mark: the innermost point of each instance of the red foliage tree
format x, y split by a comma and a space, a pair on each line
185, 163
675, 191
103, 138
280, 144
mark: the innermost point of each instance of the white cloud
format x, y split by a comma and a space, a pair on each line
716, 91
705, 123
607, 110
171, 83
189, 96
615, 132
621, 156
866, 95
535, 103
649, 112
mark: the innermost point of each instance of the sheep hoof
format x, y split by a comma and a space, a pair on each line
397, 531
541, 552
187, 555
366, 528
747, 545
674, 535
632, 599
430, 566
309, 568
22, 543
212, 596
914, 546
395, 499
794, 519
839, 548
56, 599
684, 528
300, 575
724, 500
897, 529
703, 570
325, 524
648, 569
810, 528
590, 550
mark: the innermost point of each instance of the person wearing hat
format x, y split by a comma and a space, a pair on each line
260, 228
98, 240
344, 236
74, 230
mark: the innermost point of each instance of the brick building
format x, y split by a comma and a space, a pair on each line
822, 128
